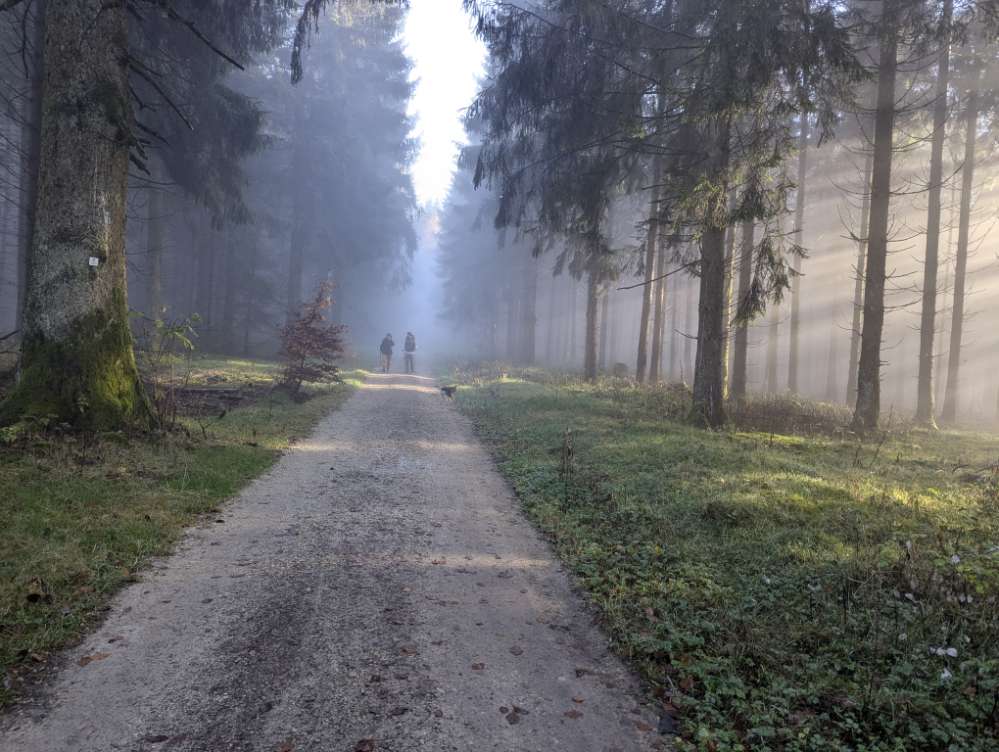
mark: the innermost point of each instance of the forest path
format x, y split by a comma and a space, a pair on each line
377, 590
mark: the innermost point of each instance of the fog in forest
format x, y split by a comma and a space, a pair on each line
245, 192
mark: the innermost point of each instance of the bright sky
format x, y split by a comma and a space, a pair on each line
447, 60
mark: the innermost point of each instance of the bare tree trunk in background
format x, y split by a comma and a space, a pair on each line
648, 291
528, 311
798, 262
248, 301
832, 387
928, 317
659, 317
301, 205
740, 344
729, 287
604, 327
674, 356
154, 247
592, 327
949, 412
689, 321
231, 267
205, 295
773, 341
938, 362
869, 369
77, 359
573, 284
858, 284
550, 323
31, 139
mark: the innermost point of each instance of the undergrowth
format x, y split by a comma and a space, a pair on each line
786, 588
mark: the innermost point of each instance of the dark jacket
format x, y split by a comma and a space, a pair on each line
387, 345
410, 343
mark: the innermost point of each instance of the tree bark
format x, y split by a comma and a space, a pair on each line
604, 328
154, 251
949, 412
648, 291
31, 139
858, 285
773, 335
528, 311
868, 406
740, 344
928, 317
797, 262
708, 407
729, 287
659, 317
78, 366
231, 278
592, 327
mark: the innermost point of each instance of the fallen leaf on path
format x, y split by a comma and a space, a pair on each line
580, 672
398, 711
408, 650
478, 666
87, 659
286, 746
517, 650
578, 700
574, 714
365, 745
642, 726
156, 738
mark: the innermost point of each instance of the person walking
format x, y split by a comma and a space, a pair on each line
386, 349
410, 348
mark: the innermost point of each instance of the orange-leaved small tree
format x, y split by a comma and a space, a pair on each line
310, 345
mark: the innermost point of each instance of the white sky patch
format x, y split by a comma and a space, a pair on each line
448, 61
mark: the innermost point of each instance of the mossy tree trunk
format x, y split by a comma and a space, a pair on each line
78, 366
794, 341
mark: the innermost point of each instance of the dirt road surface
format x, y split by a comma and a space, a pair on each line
378, 590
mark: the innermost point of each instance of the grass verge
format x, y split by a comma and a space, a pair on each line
81, 515
778, 591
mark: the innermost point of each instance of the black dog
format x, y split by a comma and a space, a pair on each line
448, 391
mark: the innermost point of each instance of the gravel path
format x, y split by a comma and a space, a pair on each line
378, 590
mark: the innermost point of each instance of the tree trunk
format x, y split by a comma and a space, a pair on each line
604, 327
832, 388
858, 284
550, 324
77, 360
869, 370
928, 318
592, 327
528, 311
31, 140
231, 279
797, 262
709, 398
740, 344
773, 341
154, 251
648, 291
949, 412
659, 317
249, 304
571, 359
729, 286
205, 295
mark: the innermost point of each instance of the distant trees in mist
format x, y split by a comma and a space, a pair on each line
791, 185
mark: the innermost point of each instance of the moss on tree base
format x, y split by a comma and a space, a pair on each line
87, 379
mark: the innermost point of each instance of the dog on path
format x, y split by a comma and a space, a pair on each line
448, 391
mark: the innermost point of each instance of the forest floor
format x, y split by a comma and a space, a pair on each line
781, 584
376, 590
83, 515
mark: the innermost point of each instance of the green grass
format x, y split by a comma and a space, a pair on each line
778, 592
81, 515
